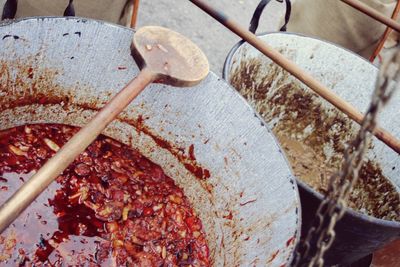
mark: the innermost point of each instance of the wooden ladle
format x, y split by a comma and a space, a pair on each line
163, 56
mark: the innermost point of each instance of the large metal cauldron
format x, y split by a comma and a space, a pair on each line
60, 70
262, 82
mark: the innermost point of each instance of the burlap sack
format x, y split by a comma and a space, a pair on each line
334, 21
116, 11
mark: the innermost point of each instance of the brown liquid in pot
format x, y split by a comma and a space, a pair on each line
305, 162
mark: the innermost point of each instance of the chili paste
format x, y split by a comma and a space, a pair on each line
111, 207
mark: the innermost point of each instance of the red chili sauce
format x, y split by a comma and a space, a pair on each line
111, 207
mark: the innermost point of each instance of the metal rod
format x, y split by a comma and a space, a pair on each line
21, 199
297, 72
373, 14
134, 13
385, 34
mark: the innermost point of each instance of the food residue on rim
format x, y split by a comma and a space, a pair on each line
52, 96
189, 161
273, 256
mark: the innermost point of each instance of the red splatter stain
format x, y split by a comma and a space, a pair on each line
189, 162
199, 172
290, 241
122, 68
229, 216
30, 73
273, 256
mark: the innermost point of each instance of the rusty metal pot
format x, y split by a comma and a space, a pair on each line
63, 69
282, 100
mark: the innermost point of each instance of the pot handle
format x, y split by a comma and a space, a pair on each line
10, 9
260, 8
70, 10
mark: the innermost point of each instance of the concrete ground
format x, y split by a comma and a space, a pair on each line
209, 35
214, 39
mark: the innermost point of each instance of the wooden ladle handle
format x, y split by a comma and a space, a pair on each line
11, 209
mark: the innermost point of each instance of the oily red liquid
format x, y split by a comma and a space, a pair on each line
111, 207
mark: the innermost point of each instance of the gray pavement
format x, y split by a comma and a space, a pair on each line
215, 40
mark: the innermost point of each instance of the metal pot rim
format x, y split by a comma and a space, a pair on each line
228, 60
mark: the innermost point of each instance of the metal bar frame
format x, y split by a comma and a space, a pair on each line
135, 11
369, 11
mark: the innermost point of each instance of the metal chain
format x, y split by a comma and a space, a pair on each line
321, 235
